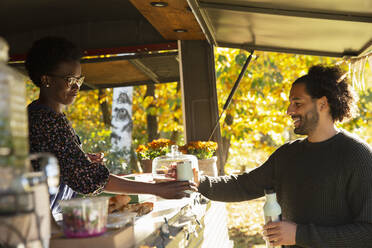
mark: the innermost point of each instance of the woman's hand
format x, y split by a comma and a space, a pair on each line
174, 189
96, 157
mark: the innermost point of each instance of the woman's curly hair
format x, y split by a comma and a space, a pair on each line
47, 53
331, 82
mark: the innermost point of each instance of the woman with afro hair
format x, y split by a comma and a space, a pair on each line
53, 64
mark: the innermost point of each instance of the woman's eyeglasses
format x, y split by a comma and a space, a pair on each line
71, 80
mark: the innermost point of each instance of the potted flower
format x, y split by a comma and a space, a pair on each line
146, 153
204, 151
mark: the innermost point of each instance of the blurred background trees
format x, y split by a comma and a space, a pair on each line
254, 125
256, 122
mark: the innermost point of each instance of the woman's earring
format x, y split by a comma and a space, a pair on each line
47, 85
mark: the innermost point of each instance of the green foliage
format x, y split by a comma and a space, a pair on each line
153, 149
255, 123
32, 92
151, 154
361, 124
86, 117
201, 154
166, 106
201, 149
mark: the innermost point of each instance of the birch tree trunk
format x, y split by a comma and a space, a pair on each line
122, 125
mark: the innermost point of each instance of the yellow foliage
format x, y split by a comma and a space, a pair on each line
258, 109
201, 149
259, 105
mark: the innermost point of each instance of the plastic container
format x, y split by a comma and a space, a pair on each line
120, 219
175, 166
84, 217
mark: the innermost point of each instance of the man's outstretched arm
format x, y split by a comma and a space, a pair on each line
242, 187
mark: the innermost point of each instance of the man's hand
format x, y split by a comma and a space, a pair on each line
280, 233
174, 189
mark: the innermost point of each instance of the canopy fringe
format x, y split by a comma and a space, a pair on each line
356, 71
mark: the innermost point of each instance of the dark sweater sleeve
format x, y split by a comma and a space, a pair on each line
242, 187
359, 196
51, 132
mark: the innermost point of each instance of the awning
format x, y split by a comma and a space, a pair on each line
318, 27
142, 27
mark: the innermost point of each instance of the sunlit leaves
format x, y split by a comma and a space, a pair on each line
32, 92
259, 105
244, 221
166, 105
256, 119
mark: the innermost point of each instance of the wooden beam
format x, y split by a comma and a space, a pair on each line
96, 37
131, 56
134, 83
250, 47
204, 21
199, 93
89, 86
176, 16
152, 75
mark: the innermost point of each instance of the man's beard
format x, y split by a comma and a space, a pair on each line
308, 122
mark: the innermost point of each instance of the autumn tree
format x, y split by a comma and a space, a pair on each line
256, 122
253, 126
162, 106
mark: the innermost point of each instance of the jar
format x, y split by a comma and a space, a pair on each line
13, 123
175, 166
84, 217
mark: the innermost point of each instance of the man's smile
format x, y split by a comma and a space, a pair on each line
296, 121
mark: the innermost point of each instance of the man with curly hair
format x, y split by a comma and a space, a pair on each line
323, 182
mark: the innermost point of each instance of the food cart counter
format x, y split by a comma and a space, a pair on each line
188, 222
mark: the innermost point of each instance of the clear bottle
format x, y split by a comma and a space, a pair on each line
272, 210
13, 122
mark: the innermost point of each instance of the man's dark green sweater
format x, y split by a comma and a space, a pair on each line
325, 188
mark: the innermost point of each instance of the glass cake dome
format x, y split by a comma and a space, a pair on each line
175, 166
